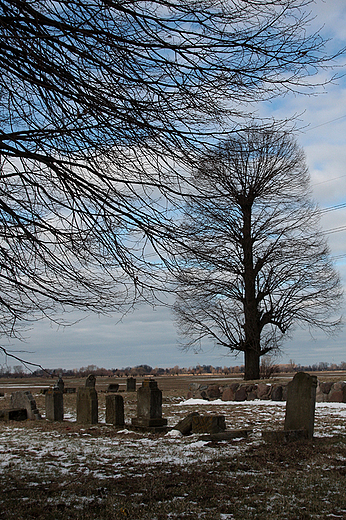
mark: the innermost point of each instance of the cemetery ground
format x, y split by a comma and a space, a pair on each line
72, 471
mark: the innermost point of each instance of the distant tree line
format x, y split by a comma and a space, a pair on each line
267, 370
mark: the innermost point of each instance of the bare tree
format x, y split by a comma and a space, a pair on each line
257, 262
103, 104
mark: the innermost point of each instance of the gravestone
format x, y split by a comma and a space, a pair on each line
60, 385
130, 384
149, 408
87, 402
115, 410
13, 415
24, 400
208, 423
54, 404
113, 387
300, 405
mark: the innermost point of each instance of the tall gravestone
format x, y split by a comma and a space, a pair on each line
300, 405
55, 402
115, 410
131, 384
149, 408
87, 402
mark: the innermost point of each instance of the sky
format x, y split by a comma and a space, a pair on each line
147, 335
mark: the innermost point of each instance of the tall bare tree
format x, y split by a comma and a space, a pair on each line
103, 104
257, 262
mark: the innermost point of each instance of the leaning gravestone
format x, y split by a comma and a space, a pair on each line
25, 400
300, 405
115, 410
149, 408
87, 402
130, 384
55, 402
208, 423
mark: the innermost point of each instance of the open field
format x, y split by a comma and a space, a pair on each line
65, 471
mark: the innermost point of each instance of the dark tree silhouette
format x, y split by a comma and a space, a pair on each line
103, 105
257, 261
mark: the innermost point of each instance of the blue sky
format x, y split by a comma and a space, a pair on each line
148, 335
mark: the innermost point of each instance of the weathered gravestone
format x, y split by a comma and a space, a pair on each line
130, 384
113, 387
13, 415
300, 405
115, 410
55, 402
149, 408
24, 400
87, 402
60, 385
208, 423
300, 410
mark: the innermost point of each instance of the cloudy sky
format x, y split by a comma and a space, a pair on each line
148, 335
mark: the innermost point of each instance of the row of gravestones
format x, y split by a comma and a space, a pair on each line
299, 417
149, 405
325, 392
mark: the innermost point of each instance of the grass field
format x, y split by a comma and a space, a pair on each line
66, 471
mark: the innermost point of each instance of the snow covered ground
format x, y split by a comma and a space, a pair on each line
64, 450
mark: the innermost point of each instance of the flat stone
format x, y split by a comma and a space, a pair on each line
285, 435
226, 435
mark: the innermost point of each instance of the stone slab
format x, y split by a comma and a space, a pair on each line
185, 425
24, 399
13, 414
54, 400
115, 410
87, 406
285, 435
226, 435
300, 404
208, 423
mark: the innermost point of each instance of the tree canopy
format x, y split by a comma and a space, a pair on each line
103, 106
256, 262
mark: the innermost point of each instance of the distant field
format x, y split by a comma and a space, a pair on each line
67, 471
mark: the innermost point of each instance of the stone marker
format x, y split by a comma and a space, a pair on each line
24, 400
208, 423
130, 384
70, 390
87, 402
226, 435
54, 404
115, 410
185, 425
13, 415
113, 387
300, 405
149, 408
60, 385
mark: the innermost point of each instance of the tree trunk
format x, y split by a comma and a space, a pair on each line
252, 364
